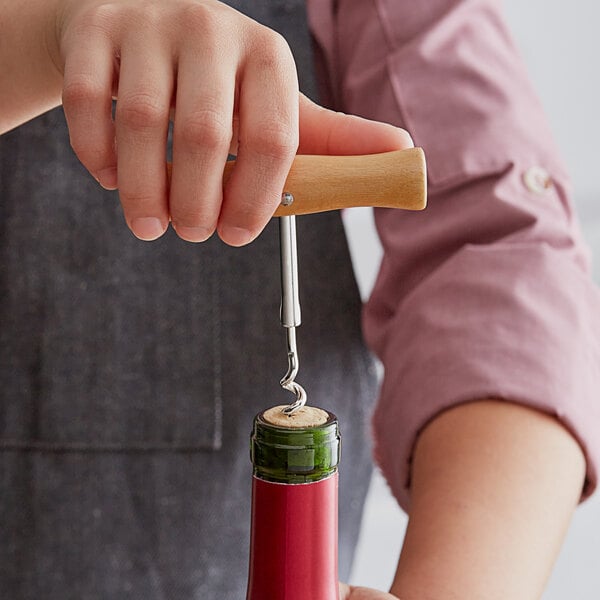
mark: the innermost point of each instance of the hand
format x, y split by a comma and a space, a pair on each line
348, 592
227, 82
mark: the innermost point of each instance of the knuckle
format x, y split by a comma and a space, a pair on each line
142, 111
101, 18
193, 217
275, 140
88, 152
271, 50
151, 17
82, 91
102, 14
205, 129
196, 221
270, 54
109, 17
200, 18
134, 200
252, 212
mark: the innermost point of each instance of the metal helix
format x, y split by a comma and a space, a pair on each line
288, 381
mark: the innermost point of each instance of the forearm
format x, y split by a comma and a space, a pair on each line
493, 489
30, 83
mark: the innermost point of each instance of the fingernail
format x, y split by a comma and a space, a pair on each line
235, 236
192, 234
107, 178
147, 228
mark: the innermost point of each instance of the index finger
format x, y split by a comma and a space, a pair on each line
268, 140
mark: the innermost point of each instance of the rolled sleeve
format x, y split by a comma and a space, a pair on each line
487, 293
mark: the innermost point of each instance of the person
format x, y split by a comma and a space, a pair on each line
130, 371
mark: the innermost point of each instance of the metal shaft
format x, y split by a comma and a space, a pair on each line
290, 299
290, 308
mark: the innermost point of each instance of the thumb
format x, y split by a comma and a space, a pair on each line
324, 131
348, 592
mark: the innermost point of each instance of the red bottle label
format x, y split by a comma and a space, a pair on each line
293, 546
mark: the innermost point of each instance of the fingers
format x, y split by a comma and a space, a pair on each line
142, 115
236, 88
87, 103
201, 140
142, 121
268, 139
324, 131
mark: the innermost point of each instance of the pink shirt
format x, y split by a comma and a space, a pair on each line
487, 293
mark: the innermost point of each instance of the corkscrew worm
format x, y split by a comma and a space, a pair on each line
290, 304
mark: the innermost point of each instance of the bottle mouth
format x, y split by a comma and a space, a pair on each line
295, 455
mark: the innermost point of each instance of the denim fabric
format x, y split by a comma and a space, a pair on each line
129, 376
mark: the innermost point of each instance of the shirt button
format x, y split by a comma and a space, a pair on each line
537, 180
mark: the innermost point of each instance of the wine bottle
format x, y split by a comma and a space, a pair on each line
293, 543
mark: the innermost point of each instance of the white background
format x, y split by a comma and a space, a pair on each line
561, 46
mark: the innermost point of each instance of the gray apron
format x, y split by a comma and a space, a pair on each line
130, 373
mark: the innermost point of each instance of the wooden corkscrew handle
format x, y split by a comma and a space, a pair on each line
319, 183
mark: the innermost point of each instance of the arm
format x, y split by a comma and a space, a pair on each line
494, 486
30, 82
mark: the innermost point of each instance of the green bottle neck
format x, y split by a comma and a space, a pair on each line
294, 455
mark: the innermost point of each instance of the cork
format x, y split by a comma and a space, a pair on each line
307, 416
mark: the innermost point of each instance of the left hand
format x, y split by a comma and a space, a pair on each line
348, 592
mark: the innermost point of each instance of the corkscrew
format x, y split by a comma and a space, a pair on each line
392, 179
317, 183
290, 304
